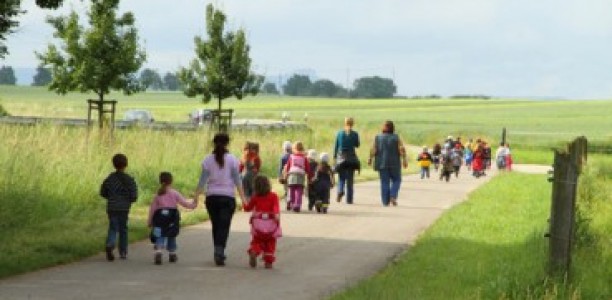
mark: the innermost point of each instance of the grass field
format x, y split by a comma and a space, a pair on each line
51, 175
493, 247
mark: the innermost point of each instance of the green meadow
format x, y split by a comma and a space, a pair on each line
52, 214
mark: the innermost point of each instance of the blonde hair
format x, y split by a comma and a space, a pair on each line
349, 121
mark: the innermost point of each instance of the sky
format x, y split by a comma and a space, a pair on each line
503, 48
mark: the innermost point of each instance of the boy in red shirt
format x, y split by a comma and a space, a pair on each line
265, 222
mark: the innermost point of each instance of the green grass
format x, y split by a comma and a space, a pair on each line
51, 213
492, 247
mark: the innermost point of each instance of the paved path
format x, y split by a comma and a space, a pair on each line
318, 255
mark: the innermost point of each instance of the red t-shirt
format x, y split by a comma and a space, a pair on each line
265, 204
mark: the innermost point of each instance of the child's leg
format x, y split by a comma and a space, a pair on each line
171, 246
269, 249
427, 172
298, 193
291, 196
123, 233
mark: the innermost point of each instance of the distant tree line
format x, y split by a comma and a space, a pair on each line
151, 80
365, 87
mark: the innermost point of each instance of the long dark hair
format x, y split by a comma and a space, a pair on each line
221, 140
388, 127
165, 179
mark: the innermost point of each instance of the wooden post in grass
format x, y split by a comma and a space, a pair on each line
567, 167
101, 107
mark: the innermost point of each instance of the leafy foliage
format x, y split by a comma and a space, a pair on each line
374, 87
171, 82
3, 111
222, 67
269, 88
298, 85
100, 58
149, 78
7, 76
42, 77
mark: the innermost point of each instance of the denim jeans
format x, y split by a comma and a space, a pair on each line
390, 181
424, 172
345, 178
161, 242
117, 224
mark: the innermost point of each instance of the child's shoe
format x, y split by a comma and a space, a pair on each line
172, 257
158, 258
123, 255
109, 253
318, 204
268, 265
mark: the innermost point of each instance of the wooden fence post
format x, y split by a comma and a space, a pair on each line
567, 167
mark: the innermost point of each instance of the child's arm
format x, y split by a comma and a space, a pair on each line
248, 206
184, 203
133, 190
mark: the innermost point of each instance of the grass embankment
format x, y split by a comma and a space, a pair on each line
51, 212
493, 247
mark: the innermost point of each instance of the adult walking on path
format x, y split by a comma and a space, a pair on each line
389, 157
346, 159
350, 243
220, 178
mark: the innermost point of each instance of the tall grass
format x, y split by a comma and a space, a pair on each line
492, 247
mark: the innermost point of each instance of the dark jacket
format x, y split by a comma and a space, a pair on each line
387, 152
120, 191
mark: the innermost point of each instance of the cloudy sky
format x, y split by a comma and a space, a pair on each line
522, 48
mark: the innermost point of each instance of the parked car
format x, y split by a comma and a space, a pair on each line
138, 116
200, 116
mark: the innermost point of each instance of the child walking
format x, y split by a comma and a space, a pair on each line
323, 183
297, 171
312, 161
164, 218
249, 167
425, 161
283, 162
120, 191
265, 222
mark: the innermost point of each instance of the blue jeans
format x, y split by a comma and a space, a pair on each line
161, 242
390, 181
424, 172
117, 224
345, 178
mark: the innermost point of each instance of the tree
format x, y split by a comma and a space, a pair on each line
269, 88
149, 78
101, 58
222, 67
373, 87
9, 10
298, 85
171, 82
324, 88
7, 76
42, 77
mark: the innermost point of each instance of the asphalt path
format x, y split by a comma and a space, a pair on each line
317, 256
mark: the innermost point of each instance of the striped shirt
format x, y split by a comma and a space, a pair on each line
120, 191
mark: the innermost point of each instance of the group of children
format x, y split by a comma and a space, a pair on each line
299, 171
449, 156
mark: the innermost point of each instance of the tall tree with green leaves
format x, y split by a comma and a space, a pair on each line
101, 58
222, 67
9, 10
7, 75
42, 77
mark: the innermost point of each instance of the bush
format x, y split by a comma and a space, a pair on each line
3, 111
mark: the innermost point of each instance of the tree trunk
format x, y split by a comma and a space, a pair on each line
219, 118
100, 109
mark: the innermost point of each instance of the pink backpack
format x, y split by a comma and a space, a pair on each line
263, 224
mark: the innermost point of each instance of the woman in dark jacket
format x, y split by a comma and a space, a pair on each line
346, 160
389, 157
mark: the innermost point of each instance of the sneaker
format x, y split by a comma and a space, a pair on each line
123, 255
253, 260
157, 258
394, 201
109, 254
268, 265
297, 210
172, 257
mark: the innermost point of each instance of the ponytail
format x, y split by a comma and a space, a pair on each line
221, 140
